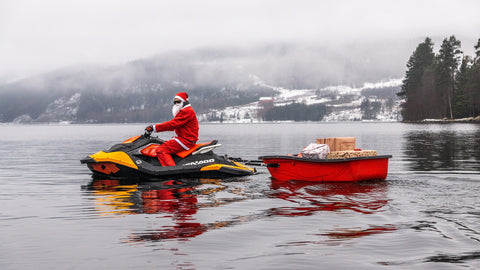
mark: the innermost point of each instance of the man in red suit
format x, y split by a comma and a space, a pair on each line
185, 125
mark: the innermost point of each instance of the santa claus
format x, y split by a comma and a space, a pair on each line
185, 125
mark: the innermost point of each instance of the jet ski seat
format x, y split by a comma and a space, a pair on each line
199, 149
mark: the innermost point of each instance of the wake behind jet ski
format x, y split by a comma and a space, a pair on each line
136, 158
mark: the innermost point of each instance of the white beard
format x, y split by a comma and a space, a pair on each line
176, 108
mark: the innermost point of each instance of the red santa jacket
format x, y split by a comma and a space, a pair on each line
185, 125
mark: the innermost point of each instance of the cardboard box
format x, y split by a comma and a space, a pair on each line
339, 143
351, 154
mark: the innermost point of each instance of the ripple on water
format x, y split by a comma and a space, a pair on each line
425, 215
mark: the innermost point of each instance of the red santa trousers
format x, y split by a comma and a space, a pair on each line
165, 151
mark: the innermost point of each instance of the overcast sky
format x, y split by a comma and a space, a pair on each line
37, 35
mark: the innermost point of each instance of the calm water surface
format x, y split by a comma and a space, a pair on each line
426, 215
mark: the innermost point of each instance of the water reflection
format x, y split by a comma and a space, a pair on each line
363, 197
119, 197
443, 150
112, 197
309, 198
173, 199
177, 202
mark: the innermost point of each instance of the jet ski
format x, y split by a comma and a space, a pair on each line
136, 158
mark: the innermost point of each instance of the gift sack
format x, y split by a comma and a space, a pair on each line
316, 151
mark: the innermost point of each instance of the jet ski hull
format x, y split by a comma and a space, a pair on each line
116, 171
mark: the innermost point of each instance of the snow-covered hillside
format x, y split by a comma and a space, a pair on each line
343, 103
62, 110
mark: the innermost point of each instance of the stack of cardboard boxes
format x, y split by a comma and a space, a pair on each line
344, 147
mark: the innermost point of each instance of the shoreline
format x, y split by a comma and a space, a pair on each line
424, 121
447, 120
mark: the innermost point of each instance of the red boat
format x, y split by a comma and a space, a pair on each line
286, 168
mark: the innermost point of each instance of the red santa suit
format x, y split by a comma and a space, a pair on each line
185, 125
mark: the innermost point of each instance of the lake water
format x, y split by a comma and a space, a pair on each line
426, 215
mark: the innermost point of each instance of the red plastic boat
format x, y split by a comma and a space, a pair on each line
286, 168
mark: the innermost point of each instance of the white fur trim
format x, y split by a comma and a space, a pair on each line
179, 98
181, 144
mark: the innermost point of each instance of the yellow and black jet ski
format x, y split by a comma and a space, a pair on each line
136, 158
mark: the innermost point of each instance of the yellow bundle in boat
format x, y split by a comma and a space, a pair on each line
351, 154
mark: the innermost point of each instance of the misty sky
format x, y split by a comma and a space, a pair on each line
40, 35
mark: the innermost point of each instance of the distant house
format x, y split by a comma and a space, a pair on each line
265, 100
264, 104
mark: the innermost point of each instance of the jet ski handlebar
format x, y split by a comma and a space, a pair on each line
148, 131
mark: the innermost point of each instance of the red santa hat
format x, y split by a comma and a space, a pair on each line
182, 96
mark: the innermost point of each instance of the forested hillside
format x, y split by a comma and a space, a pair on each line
441, 85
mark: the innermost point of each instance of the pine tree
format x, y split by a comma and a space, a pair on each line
477, 52
460, 99
472, 87
428, 107
446, 64
411, 91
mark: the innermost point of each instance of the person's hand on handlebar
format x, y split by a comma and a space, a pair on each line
149, 130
